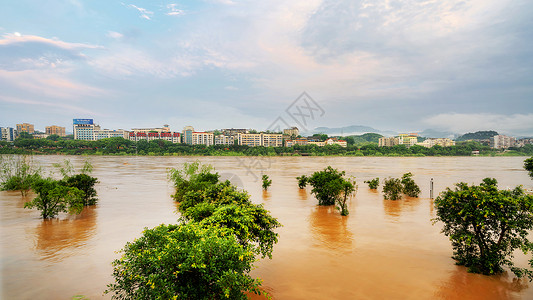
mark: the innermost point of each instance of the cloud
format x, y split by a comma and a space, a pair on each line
39, 105
23, 52
174, 10
115, 35
462, 122
145, 14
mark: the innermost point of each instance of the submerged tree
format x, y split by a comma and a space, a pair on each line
193, 177
373, 183
266, 182
18, 173
82, 181
410, 188
184, 261
528, 165
302, 181
393, 188
330, 188
485, 225
54, 197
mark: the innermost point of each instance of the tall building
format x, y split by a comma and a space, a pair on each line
186, 136
408, 139
85, 129
203, 138
55, 130
443, 142
223, 139
25, 127
388, 141
7, 134
233, 132
291, 133
150, 134
502, 142
261, 139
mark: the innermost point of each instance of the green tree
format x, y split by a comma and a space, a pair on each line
330, 188
373, 183
410, 188
302, 181
528, 165
185, 261
53, 137
485, 225
266, 182
18, 173
392, 189
24, 135
54, 197
192, 177
85, 184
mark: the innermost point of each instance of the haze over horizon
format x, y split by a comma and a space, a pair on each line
403, 65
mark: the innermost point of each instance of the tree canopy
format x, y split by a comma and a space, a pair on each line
485, 225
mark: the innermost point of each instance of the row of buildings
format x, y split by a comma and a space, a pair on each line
10, 133
411, 139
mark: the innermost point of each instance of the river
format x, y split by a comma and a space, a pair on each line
383, 250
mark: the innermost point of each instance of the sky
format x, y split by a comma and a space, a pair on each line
406, 66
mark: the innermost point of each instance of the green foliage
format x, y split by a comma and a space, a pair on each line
185, 261
54, 197
250, 223
330, 188
266, 182
192, 177
373, 183
410, 188
84, 183
392, 189
528, 165
485, 225
17, 173
25, 135
53, 137
302, 181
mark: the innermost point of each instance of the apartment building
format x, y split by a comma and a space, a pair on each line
388, 141
223, 139
330, 141
443, 142
502, 142
54, 129
203, 138
7, 134
25, 127
299, 141
260, 139
174, 137
85, 129
291, 133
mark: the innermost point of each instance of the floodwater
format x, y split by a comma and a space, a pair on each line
383, 250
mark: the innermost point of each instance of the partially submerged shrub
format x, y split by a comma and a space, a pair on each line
302, 181
392, 189
373, 183
410, 188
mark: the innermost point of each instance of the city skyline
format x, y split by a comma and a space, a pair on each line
402, 66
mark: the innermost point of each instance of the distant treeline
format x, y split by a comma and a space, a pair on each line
121, 146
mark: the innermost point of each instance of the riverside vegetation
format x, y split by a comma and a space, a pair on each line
70, 194
208, 254
121, 146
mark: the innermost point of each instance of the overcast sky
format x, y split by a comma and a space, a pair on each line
404, 65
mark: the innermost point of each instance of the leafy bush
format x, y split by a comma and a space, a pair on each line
84, 183
18, 173
528, 165
266, 182
373, 183
486, 225
302, 181
392, 189
54, 197
193, 177
185, 261
330, 188
410, 188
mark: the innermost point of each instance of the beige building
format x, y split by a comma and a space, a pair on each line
408, 139
223, 139
388, 141
443, 142
299, 141
330, 141
502, 142
203, 138
291, 133
260, 139
25, 127
54, 129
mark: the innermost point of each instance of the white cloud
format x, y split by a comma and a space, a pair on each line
174, 10
462, 122
61, 106
115, 35
145, 14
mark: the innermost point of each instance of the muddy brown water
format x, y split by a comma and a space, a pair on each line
382, 250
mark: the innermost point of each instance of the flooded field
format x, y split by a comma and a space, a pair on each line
383, 250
